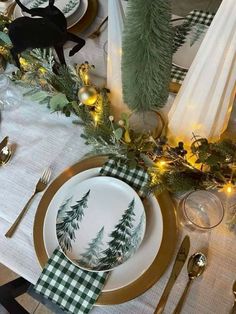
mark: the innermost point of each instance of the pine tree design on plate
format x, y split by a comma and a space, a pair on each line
69, 6
197, 31
63, 208
120, 244
67, 224
137, 234
92, 254
37, 3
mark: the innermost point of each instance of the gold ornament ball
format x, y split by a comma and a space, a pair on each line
88, 95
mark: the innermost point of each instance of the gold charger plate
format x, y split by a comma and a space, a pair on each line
155, 270
81, 26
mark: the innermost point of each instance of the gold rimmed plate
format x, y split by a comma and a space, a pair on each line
162, 255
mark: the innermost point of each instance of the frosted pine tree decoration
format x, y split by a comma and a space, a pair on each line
147, 54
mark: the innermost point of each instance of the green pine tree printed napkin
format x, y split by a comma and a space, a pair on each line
136, 177
74, 290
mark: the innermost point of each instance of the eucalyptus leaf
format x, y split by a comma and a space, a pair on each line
39, 96
124, 116
58, 101
118, 133
5, 38
148, 162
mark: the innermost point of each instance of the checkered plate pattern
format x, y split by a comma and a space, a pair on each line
137, 178
195, 17
73, 289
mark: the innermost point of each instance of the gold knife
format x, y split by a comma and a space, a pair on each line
178, 265
3, 143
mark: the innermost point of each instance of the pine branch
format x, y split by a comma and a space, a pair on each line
65, 83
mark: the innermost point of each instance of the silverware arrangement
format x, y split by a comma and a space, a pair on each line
178, 265
196, 266
40, 186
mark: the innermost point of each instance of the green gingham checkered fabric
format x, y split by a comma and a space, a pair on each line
73, 289
137, 178
178, 74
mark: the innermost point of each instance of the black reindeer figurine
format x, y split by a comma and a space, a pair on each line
49, 30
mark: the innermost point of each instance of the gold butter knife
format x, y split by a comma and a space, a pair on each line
178, 265
3, 143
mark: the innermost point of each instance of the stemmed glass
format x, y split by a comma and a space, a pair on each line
202, 210
10, 96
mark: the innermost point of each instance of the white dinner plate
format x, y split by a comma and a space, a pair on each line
100, 223
71, 21
186, 53
133, 268
68, 7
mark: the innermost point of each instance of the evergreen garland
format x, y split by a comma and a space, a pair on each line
212, 165
147, 54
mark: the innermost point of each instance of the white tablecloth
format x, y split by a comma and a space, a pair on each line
44, 139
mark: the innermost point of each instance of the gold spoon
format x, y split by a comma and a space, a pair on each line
196, 266
233, 311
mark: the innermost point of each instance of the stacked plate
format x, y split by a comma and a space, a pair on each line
74, 10
101, 224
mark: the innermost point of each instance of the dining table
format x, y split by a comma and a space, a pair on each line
41, 139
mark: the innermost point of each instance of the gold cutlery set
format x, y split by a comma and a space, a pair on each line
196, 266
5, 151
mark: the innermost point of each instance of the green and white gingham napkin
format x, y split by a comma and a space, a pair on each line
75, 290
195, 17
136, 177
71, 288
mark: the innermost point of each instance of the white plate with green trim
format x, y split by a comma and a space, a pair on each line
71, 20
100, 224
134, 267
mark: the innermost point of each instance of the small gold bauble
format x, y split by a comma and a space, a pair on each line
88, 95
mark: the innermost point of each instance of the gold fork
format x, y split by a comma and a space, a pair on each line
40, 186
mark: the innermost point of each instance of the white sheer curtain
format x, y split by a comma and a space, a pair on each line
116, 13
205, 100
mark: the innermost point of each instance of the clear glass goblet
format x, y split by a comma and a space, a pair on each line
202, 210
10, 96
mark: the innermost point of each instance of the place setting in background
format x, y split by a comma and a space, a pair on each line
189, 32
79, 13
